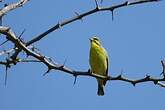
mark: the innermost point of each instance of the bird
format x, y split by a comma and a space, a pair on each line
99, 62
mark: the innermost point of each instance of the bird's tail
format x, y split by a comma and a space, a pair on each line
100, 91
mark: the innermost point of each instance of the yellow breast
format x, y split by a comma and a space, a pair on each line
98, 60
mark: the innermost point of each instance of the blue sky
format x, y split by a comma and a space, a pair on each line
134, 42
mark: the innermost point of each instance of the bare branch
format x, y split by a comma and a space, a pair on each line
3, 63
161, 84
80, 16
11, 36
11, 7
6, 52
77, 17
20, 45
28, 60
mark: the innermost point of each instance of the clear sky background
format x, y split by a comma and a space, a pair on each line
134, 41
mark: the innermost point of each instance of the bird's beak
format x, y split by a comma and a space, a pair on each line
90, 39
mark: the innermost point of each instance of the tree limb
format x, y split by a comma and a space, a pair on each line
77, 17
11, 7
51, 65
54, 66
80, 16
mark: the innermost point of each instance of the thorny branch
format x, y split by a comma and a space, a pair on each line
11, 7
51, 65
80, 16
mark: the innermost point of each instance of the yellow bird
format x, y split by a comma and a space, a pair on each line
98, 59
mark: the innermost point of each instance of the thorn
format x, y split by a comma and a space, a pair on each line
59, 25
133, 83
22, 33
155, 82
127, 3
112, 11
122, 71
27, 55
75, 79
147, 77
51, 60
161, 73
119, 76
6, 75
163, 65
108, 78
47, 72
1, 20
5, 5
62, 66
97, 6
4, 42
64, 62
89, 71
15, 61
35, 49
8, 29
7, 63
78, 15
7, 59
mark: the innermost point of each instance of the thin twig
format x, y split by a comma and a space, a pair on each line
6, 51
4, 42
29, 60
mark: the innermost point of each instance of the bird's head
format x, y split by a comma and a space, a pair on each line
95, 40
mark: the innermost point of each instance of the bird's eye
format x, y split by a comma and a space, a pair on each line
96, 42
96, 39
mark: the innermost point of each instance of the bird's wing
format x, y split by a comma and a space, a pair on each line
104, 82
107, 62
107, 65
